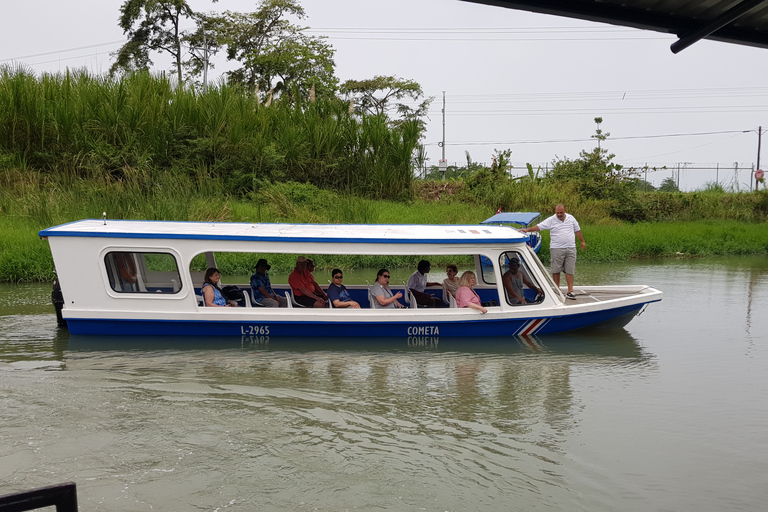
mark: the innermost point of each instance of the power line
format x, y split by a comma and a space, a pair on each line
497, 39
479, 30
110, 43
626, 95
555, 141
364, 32
604, 111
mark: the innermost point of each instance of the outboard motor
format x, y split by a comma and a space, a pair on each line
58, 302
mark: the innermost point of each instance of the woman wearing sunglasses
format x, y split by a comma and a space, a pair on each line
338, 294
383, 294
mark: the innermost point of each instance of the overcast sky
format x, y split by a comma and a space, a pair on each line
512, 80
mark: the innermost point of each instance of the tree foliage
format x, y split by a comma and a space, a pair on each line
276, 56
668, 185
594, 173
151, 25
387, 95
642, 185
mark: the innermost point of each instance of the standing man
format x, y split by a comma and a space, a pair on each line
562, 245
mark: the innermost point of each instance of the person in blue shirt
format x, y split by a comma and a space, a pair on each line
261, 287
212, 293
338, 294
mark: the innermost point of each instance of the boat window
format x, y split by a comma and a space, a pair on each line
142, 272
359, 271
486, 270
527, 284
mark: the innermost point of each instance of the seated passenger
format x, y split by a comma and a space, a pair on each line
513, 280
451, 283
383, 294
212, 295
317, 291
303, 286
338, 294
466, 296
417, 283
262, 288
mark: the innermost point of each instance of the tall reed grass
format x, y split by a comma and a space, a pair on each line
81, 126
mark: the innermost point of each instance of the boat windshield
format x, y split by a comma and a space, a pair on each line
546, 273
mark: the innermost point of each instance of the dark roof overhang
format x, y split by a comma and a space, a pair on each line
733, 21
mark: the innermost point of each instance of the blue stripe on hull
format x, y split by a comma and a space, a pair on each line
389, 328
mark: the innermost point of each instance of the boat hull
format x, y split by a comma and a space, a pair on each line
388, 326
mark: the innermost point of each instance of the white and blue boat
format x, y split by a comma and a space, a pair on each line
121, 277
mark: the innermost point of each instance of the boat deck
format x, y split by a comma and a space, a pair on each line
588, 295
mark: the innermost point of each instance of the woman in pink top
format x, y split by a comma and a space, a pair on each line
465, 295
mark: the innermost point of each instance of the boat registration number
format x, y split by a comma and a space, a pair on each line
254, 330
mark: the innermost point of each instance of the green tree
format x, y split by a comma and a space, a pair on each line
387, 95
594, 172
454, 171
642, 185
151, 25
599, 135
277, 56
668, 185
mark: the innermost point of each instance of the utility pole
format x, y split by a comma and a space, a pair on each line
205, 53
757, 169
759, 139
443, 167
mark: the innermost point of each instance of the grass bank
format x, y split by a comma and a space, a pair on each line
30, 205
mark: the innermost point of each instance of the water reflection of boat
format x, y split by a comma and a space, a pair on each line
617, 343
144, 278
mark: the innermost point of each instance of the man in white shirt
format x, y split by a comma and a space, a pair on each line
418, 283
562, 245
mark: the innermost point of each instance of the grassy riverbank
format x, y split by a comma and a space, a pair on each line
26, 209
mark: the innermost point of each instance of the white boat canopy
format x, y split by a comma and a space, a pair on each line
337, 233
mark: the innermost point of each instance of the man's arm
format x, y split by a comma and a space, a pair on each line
308, 293
530, 284
581, 237
319, 291
532, 228
506, 280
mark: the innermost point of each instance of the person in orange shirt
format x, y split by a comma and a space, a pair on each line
317, 291
303, 285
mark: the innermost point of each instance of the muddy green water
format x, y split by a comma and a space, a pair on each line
669, 414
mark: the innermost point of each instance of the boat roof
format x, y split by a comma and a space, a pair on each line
523, 218
336, 233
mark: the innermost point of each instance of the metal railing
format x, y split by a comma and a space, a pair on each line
61, 496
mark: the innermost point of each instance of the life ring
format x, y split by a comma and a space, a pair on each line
126, 266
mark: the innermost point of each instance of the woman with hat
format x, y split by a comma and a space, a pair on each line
261, 288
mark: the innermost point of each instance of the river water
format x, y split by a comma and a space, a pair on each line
669, 414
